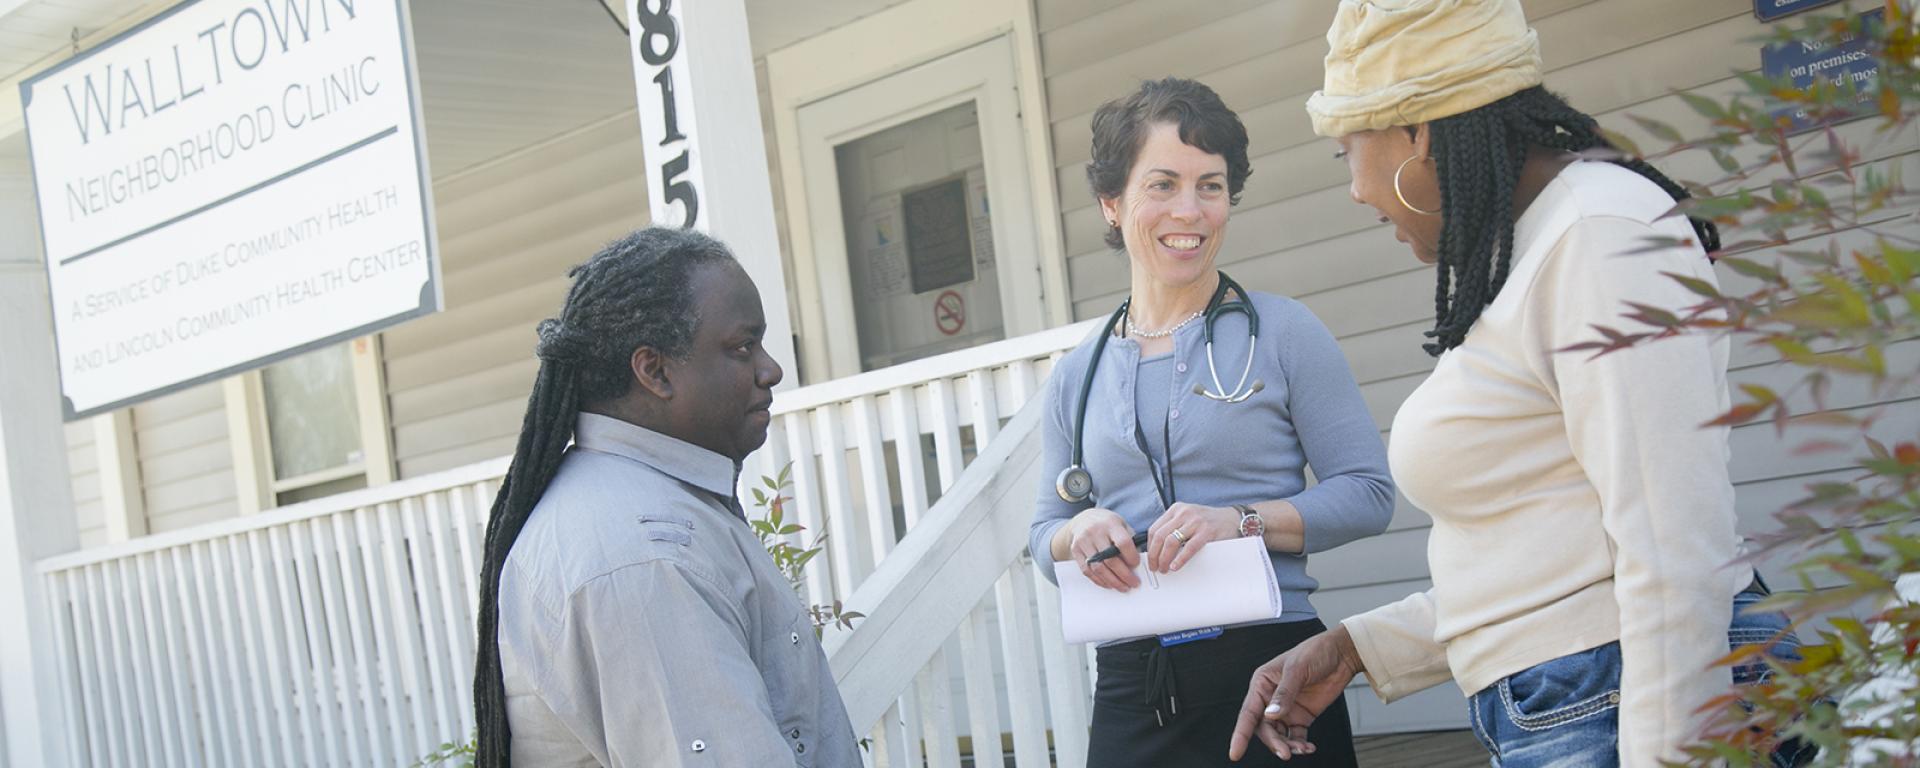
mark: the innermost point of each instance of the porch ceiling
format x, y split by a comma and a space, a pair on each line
495, 75
776, 24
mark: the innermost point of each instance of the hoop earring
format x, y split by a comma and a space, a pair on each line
1396, 187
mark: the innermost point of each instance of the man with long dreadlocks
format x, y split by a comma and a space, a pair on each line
628, 615
1583, 524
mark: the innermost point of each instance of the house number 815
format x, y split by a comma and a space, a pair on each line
659, 42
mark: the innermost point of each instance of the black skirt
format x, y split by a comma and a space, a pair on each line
1155, 707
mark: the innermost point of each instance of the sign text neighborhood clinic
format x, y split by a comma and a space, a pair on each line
232, 182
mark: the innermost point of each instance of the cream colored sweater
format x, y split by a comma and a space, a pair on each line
1575, 501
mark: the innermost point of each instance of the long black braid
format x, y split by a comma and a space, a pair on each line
1478, 155
635, 292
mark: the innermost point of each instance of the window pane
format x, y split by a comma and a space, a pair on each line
313, 419
913, 200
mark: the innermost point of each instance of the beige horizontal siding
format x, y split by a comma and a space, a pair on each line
83, 466
185, 459
457, 381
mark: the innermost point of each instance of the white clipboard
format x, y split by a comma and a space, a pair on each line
1228, 582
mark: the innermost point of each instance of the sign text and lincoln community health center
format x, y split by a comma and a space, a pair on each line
227, 184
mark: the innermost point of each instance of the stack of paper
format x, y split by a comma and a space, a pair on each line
1228, 582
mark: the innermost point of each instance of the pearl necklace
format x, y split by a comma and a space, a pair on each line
1134, 330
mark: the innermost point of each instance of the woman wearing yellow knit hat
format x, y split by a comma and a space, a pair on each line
1582, 586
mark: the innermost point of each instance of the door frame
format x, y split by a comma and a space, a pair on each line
868, 52
980, 75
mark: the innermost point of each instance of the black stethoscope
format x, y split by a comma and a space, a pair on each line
1075, 484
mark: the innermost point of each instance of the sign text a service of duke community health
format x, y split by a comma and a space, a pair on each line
232, 182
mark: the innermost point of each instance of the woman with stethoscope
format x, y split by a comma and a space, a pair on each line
1191, 417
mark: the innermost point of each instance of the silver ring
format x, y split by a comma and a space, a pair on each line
1179, 537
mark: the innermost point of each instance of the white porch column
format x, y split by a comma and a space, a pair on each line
36, 500
706, 155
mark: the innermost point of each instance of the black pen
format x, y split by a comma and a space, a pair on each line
1139, 540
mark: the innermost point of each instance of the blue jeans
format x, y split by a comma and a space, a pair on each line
1565, 713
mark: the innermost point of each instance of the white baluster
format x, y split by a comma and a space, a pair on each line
984, 409
876, 494
339, 635
265, 619
1020, 653
456, 637
350, 576
890, 741
934, 689
123, 742
393, 693
1067, 700
406, 630
1020, 385
317, 666
903, 420
442, 719
156, 721
805, 510
841, 519
184, 657
983, 706
256, 731
97, 704
61, 612
473, 535
469, 510
294, 636
976, 651
219, 677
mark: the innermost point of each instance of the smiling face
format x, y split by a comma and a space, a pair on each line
1372, 159
1172, 214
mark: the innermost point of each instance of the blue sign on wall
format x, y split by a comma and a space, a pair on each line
1851, 63
1768, 10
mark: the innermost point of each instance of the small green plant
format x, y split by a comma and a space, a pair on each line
450, 755
777, 536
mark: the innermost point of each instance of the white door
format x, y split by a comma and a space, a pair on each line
922, 226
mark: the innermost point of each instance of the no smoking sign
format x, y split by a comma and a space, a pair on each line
949, 313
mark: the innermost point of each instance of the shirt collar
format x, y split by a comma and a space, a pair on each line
673, 457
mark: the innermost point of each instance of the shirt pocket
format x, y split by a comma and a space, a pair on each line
791, 664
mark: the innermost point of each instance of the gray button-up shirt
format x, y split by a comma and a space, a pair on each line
642, 623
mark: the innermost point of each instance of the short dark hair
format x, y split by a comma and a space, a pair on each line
1120, 128
636, 292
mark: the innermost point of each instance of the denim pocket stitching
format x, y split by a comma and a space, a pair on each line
1480, 730
1557, 717
1768, 637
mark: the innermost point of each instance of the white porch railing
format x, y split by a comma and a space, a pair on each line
340, 631
905, 679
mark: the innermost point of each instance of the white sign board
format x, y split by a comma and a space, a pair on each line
227, 184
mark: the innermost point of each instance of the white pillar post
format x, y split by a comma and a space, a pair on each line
705, 153
36, 498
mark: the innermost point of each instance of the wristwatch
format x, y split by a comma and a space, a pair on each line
1251, 523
